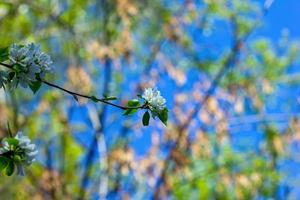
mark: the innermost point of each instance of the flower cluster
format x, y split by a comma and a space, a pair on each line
154, 99
156, 104
20, 151
28, 61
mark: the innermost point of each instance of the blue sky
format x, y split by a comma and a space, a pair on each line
284, 14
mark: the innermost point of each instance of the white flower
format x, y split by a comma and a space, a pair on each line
27, 148
23, 152
28, 61
20, 55
155, 100
5, 147
44, 61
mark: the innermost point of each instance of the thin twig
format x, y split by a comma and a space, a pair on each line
93, 98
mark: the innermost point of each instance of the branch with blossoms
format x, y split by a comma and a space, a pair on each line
26, 65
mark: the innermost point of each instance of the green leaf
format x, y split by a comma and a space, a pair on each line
163, 116
35, 86
94, 99
146, 118
4, 54
10, 168
130, 111
18, 68
12, 141
3, 162
110, 98
133, 103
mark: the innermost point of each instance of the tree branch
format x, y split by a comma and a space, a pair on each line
93, 98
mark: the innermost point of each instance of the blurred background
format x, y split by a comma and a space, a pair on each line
230, 73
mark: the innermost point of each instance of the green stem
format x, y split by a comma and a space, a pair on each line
9, 130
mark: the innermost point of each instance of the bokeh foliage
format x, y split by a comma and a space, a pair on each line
119, 47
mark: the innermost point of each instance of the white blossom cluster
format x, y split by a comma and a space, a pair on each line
156, 102
25, 151
28, 61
